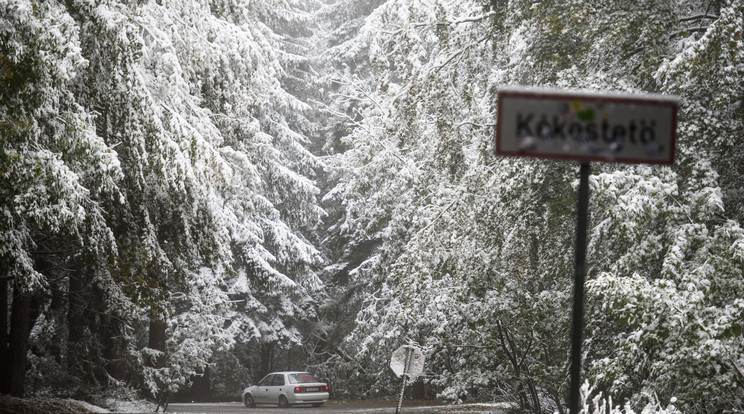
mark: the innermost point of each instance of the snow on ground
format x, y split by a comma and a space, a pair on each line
89, 408
45, 405
120, 406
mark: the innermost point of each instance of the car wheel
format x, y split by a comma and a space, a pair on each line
283, 403
249, 401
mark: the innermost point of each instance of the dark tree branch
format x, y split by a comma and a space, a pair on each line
698, 17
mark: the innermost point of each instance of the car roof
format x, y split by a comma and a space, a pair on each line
289, 372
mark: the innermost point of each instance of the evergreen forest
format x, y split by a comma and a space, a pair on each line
195, 193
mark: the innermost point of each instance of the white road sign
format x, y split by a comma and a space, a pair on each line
586, 126
413, 356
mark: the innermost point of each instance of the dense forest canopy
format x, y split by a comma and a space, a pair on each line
195, 193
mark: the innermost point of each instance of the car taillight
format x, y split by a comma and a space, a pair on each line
300, 390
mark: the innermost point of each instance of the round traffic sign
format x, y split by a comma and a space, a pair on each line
407, 360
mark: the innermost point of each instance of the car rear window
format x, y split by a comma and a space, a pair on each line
301, 378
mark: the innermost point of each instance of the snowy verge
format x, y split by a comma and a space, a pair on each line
45, 405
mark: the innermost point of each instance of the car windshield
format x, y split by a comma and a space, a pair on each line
301, 378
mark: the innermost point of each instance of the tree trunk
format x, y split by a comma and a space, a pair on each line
419, 390
113, 350
267, 358
156, 340
4, 337
289, 359
20, 328
201, 390
76, 355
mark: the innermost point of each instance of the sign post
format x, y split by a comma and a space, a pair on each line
407, 362
577, 325
585, 126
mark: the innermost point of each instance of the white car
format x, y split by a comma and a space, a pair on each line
286, 388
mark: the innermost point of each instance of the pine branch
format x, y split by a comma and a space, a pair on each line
461, 52
699, 17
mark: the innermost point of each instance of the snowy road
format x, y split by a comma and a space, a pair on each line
350, 408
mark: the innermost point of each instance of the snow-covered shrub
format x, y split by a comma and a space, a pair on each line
595, 402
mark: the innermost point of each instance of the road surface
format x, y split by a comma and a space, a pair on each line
362, 407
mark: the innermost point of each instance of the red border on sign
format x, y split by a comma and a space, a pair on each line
650, 101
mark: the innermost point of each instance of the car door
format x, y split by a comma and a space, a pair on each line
276, 389
261, 395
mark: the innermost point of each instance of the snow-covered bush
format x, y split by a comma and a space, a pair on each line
595, 402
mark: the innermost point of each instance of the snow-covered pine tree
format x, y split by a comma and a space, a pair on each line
58, 177
168, 156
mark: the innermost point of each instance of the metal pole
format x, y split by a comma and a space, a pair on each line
579, 276
406, 367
